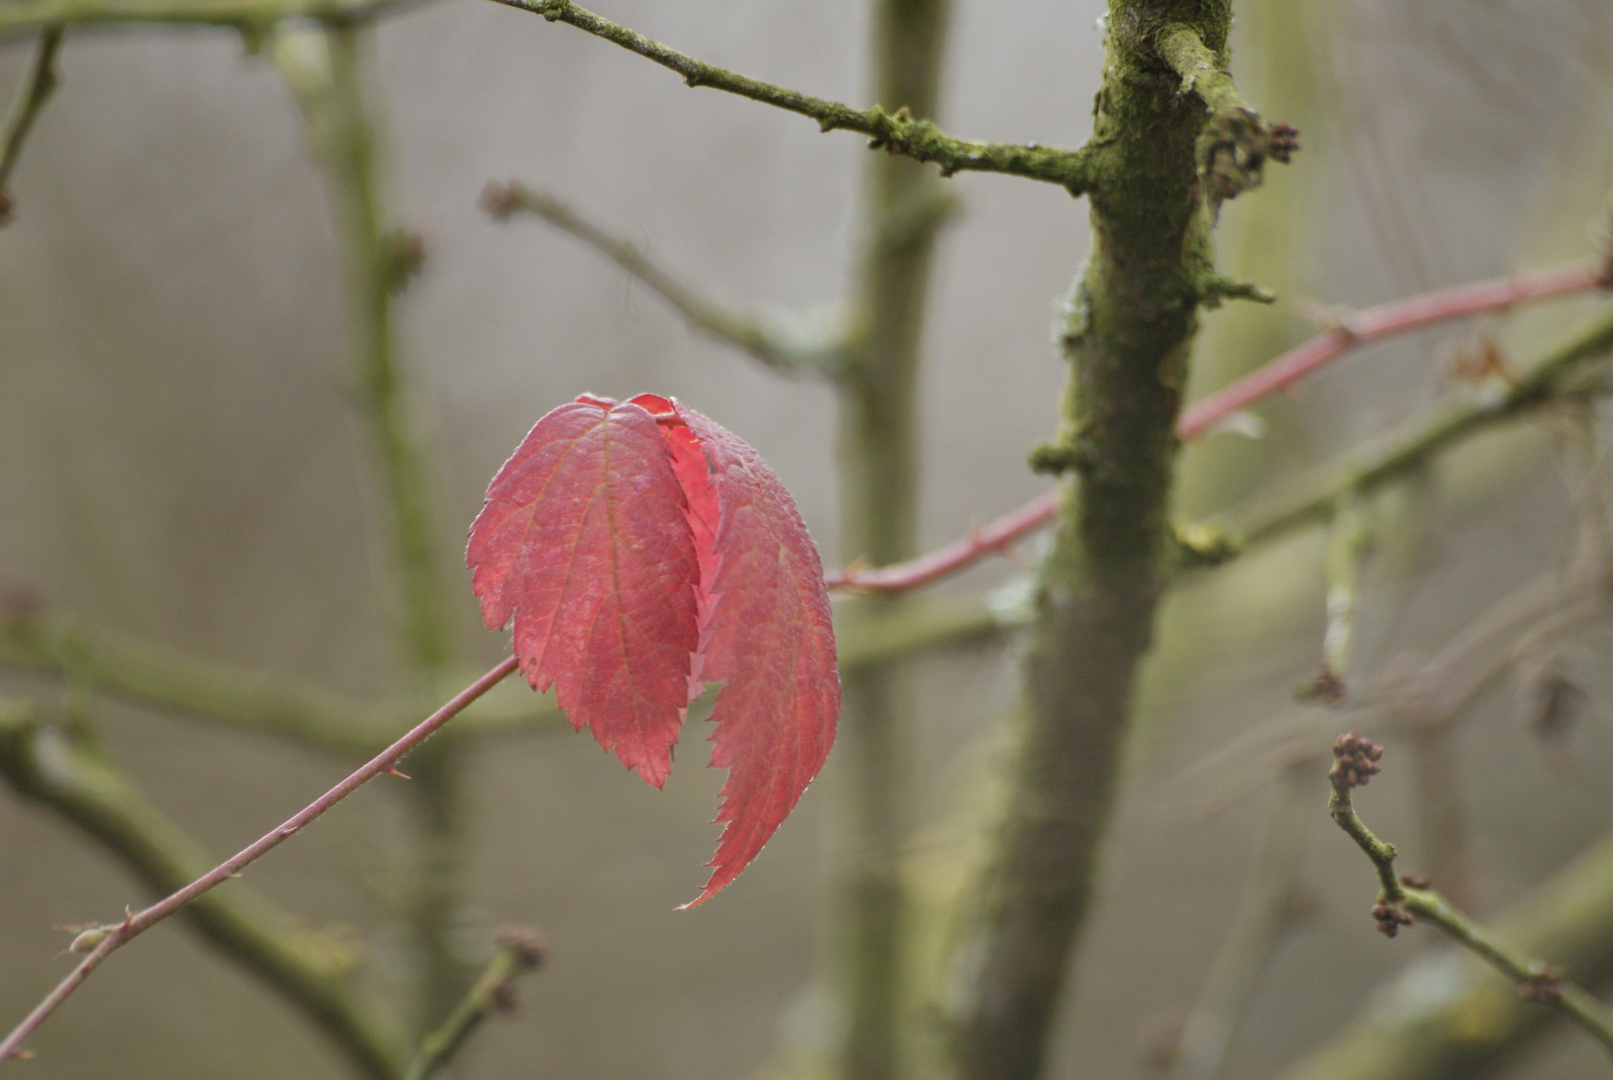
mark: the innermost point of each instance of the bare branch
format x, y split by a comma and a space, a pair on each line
520, 951
36, 90
251, 17
786, 344
896, 132
139, 922
1363, 328
1401, 900
1563, 372
250, 700
1264, 911
57, 765
1387, 320
1236, 143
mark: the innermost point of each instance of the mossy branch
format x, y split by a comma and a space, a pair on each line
249, 700
1401, 901
135, 923
519, 952
37, 88
897, 132
253, 18
784, 343
56, 764
1236, 143
1128, 326
1570, 369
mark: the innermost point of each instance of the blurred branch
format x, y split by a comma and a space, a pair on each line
148, 673
1347, 546
254, 701
1363, 328
322, 69
519, 951
251, 17
1400, 902
1569, 370
1387, 320
59, 766
36, 90
1264, 911
786, 345
135, 923
901, 208
1450, 1017
327, 72
897, 133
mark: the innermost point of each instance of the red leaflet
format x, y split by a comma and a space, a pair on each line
643, 551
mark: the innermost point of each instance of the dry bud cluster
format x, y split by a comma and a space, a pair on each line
1355, 761
1391, 917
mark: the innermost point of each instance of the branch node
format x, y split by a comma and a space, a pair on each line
1058, 458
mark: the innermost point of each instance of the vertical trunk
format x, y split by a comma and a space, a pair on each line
1128, 327
903, 206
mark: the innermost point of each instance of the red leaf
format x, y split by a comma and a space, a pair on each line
584, 540
644, 550
768, 637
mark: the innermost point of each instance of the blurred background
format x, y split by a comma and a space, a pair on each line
181, 461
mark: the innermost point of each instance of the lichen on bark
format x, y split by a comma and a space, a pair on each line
1126, 331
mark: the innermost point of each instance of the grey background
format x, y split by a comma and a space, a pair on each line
178, 460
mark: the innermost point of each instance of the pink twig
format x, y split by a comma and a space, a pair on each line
1377, 323
1362, 328
116, 936
960, 553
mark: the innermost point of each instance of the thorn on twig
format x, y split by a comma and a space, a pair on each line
20, 604
1543, 986
1159, 1040
1552, 701
1481, 360
1355, 761
404, 252
392, 770
499, 200
1325, 686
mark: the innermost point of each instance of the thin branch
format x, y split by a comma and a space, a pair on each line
997, 536
1235, 143
519, 951
36, 90
1400, 901
137, 923
1264, 911
1568, 370
1387, 320
1348, 544
896, 132
251, 17
248, 699
792, 348
56, 764
1363, 328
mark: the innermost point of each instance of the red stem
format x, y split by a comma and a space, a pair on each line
1386, 320
136, 923
1362, 328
